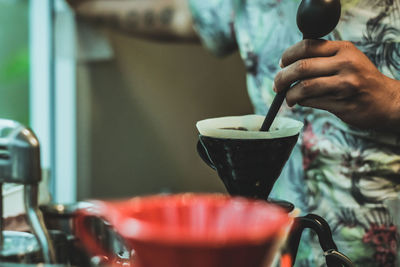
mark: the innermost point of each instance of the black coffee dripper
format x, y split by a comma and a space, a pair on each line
243, 164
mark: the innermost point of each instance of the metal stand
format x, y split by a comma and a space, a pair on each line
20, 164
1, 218
36, 221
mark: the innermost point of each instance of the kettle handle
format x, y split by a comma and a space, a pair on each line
332, 256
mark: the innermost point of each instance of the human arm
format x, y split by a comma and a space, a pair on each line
336, 76
162, 20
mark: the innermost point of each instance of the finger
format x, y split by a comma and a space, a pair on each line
309, 48
327, 103
313, 89
305, 69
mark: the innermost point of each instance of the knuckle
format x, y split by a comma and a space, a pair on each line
347, 45
351, 82
303, 66
304, 85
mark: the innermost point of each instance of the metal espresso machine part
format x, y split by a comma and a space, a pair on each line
20, 164
59, 218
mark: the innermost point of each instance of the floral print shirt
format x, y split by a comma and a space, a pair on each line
336, 171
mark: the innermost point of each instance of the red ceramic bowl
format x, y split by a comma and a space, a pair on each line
191, 230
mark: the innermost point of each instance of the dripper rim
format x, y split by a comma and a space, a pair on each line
207, 127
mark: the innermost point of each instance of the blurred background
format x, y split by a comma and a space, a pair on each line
115, 115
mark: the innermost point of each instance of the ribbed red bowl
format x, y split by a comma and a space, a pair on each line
191, 230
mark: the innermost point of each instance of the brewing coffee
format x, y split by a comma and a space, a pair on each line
235, 128
247, 160
242, 128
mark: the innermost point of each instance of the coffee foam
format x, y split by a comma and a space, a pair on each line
281, 127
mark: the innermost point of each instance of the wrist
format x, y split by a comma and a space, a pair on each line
393, 109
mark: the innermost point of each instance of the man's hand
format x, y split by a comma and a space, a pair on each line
337, 77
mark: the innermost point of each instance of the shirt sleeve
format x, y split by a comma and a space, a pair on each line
213, 22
